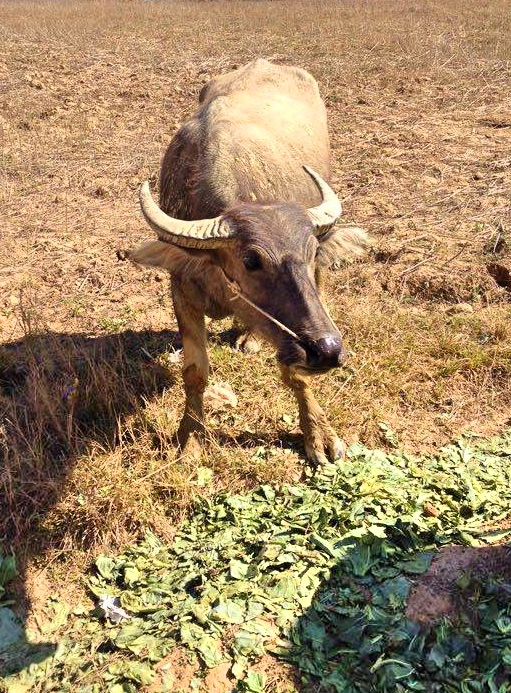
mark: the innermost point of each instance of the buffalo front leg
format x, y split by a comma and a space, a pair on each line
189, 312
318, 435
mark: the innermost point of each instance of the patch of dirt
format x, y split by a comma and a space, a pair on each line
217, 679
435, 595
181, 667
33, 596
280, 677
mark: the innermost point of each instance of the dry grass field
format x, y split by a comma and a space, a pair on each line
419, 102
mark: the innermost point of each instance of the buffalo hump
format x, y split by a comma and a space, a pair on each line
254, 130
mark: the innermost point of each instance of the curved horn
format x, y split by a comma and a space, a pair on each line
205, 233
330, 209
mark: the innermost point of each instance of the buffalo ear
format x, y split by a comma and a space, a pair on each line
170, 257
342, 244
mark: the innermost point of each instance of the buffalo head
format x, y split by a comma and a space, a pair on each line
269, 252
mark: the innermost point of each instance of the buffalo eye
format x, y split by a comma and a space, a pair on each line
252, 262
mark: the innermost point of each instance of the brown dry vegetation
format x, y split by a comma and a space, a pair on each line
419, 103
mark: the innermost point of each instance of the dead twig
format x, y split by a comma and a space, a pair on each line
453, 257
414, 267
83, 282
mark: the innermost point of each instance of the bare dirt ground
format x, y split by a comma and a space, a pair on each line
419, 103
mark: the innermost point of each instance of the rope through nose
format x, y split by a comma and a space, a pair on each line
235, 288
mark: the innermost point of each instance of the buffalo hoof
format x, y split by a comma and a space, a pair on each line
247, 343
193, 448
323, 445
191, 438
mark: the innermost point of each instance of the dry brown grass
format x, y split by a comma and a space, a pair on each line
90, 93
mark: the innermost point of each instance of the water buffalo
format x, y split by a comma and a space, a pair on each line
244, 227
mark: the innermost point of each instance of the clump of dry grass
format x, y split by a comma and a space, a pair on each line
92, 92
63, 397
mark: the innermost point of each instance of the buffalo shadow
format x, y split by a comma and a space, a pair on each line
60, 395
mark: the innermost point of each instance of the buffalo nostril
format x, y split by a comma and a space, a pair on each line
326, 352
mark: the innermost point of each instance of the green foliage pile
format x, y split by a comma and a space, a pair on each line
317, 573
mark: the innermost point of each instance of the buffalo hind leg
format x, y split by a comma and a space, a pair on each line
318, 435
246, 341
190, 319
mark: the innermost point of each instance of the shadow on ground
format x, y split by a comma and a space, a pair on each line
372, 627
60, 394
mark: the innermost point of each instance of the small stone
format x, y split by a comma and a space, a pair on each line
220, 396
458, 308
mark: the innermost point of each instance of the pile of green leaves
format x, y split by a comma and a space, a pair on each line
317, 573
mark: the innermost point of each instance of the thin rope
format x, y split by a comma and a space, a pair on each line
235, 288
